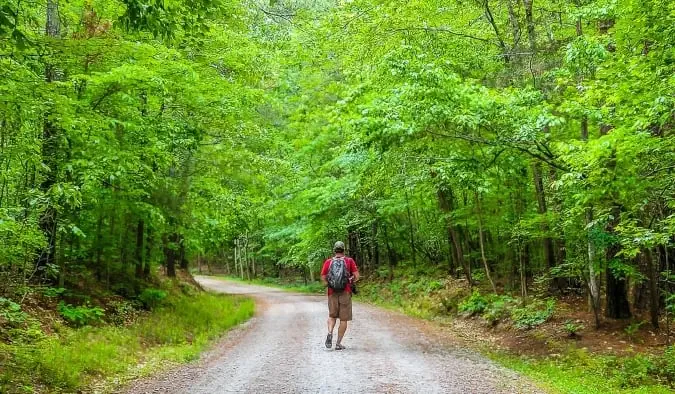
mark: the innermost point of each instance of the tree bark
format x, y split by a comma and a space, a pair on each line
549, 254
50, 149
529, 20
652, 274
617, 289
446, 202
140, 233
482, 246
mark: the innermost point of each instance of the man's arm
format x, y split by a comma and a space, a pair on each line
324, 275
355, 271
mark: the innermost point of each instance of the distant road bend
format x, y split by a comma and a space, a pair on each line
281, 350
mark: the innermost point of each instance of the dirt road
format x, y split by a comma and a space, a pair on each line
282, 350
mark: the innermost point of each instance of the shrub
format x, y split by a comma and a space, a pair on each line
152, 298
533, 314
122, 313
80, 315
476, 304
633, 329
498, 309
11, 313
573, 328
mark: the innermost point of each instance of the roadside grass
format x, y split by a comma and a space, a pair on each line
74, 359
583, 374
574, 371
293, 286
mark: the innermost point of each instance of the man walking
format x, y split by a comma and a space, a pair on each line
338, 273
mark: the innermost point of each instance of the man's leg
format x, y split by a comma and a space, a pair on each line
345, 317
341, 331
331, 325
333, 311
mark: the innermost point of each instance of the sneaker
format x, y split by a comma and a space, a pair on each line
340, 346
329, 341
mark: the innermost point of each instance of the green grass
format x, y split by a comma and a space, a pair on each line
74, 359
298, 287
585, 374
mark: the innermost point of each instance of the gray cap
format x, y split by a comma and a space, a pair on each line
339, 245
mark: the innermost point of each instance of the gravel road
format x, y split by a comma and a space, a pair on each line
281, 350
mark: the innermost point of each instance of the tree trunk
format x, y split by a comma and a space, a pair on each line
529, 19
653, 289
446, 202
139, 248
515, 25
549, 255
411, 228
171, 253
375, 245
593, 287
183, 258
391, 256
148, 253
482, 246
617, 289
50, 149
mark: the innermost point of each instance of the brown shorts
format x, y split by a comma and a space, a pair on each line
340, 305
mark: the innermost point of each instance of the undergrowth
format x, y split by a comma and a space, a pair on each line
75, 358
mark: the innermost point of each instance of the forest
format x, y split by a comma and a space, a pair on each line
519, 147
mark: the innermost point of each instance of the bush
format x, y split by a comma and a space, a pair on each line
573, 328
11, 313
152, 298
476, 304
80, 315
122, 313
533, 314
498, 309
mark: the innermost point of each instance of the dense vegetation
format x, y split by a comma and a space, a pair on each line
521, 145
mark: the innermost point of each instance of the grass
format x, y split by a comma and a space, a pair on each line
586, 374
73, 359
298, 287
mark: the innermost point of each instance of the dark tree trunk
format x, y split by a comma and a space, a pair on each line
375, 245
654, 305
549, 254
139, 248
170, 252
446, 203
391, 255
183, 258
529, 19
50, 149
148, 252
617, 289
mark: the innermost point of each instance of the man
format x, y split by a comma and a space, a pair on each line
338, 273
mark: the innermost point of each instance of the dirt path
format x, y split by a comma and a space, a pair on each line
281, 351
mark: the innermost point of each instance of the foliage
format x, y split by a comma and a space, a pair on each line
152, 298
633, 328
76, 358
11, 313
81, 315
474, 305
572, 328
533, 313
